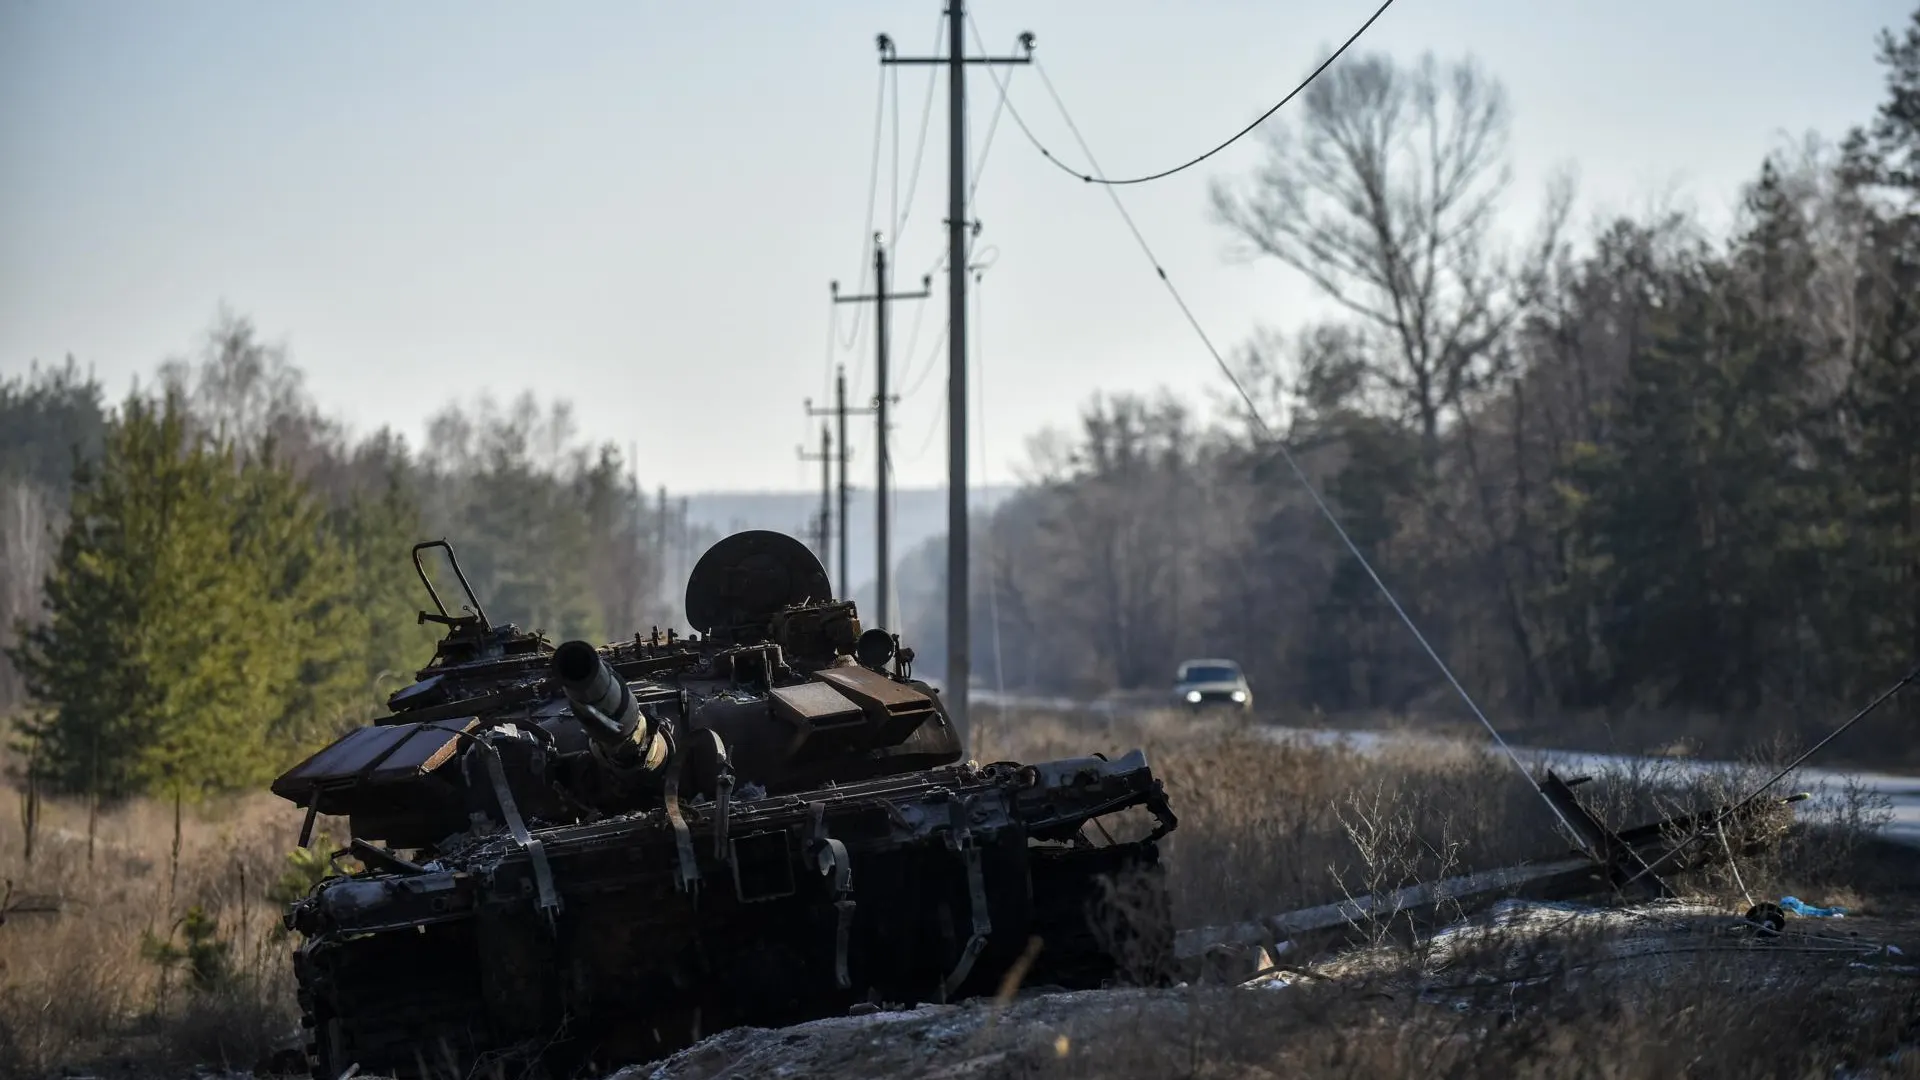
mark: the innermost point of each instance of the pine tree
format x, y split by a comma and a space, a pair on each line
201, 629
1881, 403
314, 665
1702, 518
377, 531
1896, 128
144, 558
1639, 504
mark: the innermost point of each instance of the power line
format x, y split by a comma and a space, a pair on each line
1676, 849
881, 297
891, 586
933, 428
1295, 92
862, 361
956, 61
823, 525
973, 188
926, 368
920, 145
993, 124
1299, 473
833, 319
992, 255
913, 337
873, 188
828, 373
840, 412
893, 206
992, 550
919, 316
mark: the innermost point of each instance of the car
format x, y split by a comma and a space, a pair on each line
1202, 683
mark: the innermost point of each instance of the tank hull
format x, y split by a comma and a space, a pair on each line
590, 946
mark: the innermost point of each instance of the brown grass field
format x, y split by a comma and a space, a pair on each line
109, 965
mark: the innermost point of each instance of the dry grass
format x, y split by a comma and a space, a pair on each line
1265, 826
1883, 743
1268, 826
99, 969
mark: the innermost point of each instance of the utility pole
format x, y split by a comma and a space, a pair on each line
683, 549
824, 528
663, 587
843, 583
881, 298
659, 524
959, 656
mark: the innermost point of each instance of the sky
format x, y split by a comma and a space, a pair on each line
639, 206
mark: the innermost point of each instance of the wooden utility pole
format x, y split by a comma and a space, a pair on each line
660, 534
823, 527
683, 547
843, 582
663, 538
959, 656
881, 299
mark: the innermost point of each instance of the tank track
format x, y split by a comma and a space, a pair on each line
416, 1016
901, 890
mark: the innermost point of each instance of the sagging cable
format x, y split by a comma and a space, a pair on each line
1326, 512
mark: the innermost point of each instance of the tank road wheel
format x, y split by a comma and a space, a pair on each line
318, 1024
325, 1030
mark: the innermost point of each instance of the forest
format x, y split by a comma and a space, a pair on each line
1633, 468
212, 577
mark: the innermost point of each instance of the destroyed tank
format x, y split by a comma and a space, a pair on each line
582, 856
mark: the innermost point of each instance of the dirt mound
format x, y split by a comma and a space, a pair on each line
971, 1039
1380, 1010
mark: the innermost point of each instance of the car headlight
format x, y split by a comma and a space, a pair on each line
1193, 696
1239, 697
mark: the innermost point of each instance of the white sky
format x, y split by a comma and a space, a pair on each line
638, 206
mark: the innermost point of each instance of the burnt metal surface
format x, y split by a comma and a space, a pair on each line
587, 856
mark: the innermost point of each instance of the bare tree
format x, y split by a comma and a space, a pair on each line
28, 540
1104, 563
244, 390
1384, 198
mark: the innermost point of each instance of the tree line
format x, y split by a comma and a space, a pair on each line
1637, 466
212, 577
1629, 467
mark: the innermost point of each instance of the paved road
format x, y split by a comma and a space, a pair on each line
1902, 793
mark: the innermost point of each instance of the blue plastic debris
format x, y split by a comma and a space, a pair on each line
1806, 910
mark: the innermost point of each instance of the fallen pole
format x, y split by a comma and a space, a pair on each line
1616, 859
1414, 900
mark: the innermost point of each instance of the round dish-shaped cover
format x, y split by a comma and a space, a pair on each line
751, 575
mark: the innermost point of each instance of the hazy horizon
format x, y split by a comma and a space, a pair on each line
633, 206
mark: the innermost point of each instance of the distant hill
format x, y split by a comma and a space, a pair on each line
919, 515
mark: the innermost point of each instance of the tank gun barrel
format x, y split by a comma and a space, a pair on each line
600, 698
